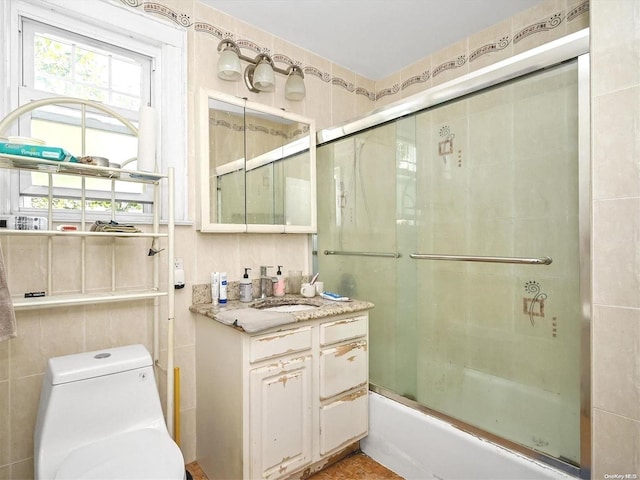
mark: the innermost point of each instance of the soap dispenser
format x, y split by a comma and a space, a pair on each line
246, 287
278, 286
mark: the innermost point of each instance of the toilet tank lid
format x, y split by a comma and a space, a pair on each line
82, 366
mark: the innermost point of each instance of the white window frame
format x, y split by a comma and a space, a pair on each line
125, 27
28, 91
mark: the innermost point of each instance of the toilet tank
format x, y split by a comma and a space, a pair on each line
90, 396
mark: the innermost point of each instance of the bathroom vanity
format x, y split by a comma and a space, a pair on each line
282, 402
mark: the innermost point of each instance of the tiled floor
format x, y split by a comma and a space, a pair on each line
355, 467
196, 472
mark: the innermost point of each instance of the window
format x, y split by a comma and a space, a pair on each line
57, 62
93, 50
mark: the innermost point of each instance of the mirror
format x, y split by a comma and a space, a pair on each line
257, 167
226, 162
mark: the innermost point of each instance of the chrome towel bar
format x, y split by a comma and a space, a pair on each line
473, 258
363, 254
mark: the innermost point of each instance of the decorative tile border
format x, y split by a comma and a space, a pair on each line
577, 11
449, 65
280, 58
224, 123
363, 91
348, 86
151, 7
422, 78
211, 30
316, 72
549, 24
388, 91
503, 42
287, 135
490, 48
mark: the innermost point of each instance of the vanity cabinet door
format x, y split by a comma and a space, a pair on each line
280, 417
343, 367
344, 420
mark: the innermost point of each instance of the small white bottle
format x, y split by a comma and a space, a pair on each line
246, 287
223, 288
215, 288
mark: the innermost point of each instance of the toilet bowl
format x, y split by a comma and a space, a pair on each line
100, 418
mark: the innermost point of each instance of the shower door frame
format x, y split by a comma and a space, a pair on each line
571, 47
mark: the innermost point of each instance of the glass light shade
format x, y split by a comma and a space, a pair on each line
263, 77
294, 88
229, 65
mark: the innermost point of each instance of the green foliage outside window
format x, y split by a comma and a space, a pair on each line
91, 205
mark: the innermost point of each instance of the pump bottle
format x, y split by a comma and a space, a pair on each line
278, 287
246, 288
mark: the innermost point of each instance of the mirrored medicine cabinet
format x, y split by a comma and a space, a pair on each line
256, 167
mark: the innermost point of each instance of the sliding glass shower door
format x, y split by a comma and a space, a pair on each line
460, 223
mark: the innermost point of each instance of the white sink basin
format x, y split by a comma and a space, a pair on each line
289, 308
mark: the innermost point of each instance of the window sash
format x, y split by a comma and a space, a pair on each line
30, 28
27, 93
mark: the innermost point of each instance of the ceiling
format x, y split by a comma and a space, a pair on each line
373, 38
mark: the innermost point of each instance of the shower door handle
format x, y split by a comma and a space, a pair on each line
474, 258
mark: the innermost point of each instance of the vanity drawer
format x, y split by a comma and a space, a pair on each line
279, 343
345, 329
343, 368
344, 421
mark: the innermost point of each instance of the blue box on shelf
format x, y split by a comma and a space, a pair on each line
37, 151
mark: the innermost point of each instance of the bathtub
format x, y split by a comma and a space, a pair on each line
417, 446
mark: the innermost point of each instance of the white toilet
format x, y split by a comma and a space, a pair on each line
100, 418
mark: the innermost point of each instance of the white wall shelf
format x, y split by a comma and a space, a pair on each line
114, 293
79, 169
79, 233
84, 299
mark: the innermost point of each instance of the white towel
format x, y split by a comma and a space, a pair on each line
7, 315
252, 320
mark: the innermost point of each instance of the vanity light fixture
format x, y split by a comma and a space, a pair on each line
259, 74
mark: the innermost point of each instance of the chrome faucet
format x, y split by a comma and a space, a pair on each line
264, 277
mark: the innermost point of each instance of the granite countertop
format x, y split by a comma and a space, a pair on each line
326, 308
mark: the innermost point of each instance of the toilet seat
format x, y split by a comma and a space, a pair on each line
137, 455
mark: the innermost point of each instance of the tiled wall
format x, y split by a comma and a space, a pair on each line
45, 333
334, 96
615, 96
550, 20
